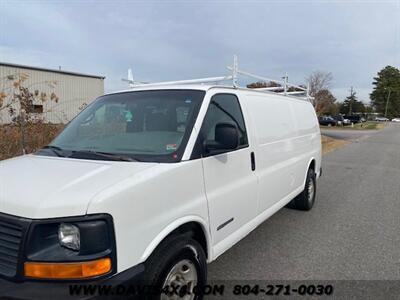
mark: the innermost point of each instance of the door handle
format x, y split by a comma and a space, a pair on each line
253, 161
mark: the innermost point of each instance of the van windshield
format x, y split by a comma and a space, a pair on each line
144, 126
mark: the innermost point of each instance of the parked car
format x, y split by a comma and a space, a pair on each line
153, 184
396, 120
381, 119
327, 121
354, 119
341, 121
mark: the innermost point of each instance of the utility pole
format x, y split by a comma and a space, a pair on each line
285, 84
387, 102
351, 101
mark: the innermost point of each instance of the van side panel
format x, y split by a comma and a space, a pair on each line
288, 139
307, 144
275, 128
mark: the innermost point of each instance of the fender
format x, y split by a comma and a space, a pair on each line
171, 227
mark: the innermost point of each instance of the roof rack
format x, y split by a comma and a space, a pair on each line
283, 88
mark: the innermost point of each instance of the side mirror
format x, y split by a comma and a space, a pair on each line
226, 138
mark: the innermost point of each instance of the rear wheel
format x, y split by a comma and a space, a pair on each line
306, 199
178, 269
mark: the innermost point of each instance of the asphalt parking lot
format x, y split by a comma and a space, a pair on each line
352, 233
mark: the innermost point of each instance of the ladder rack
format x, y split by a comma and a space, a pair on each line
283, 88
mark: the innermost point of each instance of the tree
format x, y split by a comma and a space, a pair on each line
386, 92
326, 103
351, 104
317, 82
369, 109
18, 100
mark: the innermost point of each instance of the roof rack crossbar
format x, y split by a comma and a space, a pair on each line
256, 76
294, 93
282, 82
284, 87
272, 88
188, 81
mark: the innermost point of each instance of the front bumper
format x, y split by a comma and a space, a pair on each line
117, 287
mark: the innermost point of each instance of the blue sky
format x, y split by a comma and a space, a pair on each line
170, 40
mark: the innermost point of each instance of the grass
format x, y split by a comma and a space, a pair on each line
370, 125
330, 144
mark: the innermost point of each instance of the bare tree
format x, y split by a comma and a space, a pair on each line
319, 81
18, 100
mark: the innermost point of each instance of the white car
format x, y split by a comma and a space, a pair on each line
152, 184
396, 120
381, 119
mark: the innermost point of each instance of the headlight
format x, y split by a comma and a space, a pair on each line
71, 248
69, 236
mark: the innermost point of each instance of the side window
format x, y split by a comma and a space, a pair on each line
224, 108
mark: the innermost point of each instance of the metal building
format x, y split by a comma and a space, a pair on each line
64, 93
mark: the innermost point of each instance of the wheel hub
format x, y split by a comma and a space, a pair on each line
182, 278
311, 191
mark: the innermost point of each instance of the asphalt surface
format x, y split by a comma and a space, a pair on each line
352, 233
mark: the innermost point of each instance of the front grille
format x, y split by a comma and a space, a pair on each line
11, 233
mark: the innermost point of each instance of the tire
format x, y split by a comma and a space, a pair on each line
176, 253
306, 199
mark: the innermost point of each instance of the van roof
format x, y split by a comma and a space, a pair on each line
150, 87
200, 87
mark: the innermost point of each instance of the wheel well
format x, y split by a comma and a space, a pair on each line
195, 231
312, 165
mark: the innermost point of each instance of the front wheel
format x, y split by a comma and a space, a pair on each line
305, 201
178, 269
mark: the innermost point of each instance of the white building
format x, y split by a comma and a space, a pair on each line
66, 92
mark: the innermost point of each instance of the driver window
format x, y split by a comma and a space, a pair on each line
224, 108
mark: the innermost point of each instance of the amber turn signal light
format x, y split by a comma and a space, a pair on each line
79, 270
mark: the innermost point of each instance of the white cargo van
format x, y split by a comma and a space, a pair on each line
152, 184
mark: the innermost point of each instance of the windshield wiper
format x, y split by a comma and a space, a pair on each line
56, 150
111, 156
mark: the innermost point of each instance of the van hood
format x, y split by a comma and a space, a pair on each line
40, 187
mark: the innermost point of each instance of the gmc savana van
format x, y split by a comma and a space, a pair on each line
151, 185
